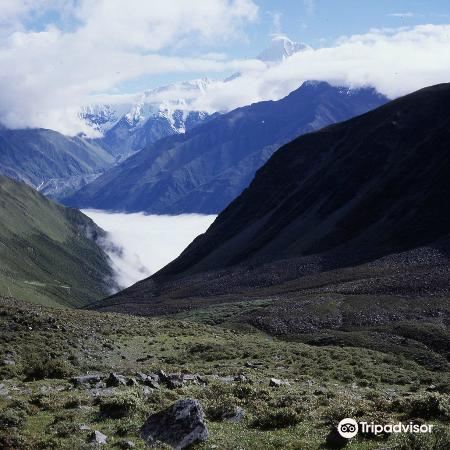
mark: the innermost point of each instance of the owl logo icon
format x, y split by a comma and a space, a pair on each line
348, 428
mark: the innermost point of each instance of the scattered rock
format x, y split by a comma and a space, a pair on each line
202, 380
227, 379
102, 392
87, 379
4, 392
8, 362
162, 376
180, 426
98, 438
155, 377
240, 378
275, 382
141, 377
174, 381
132, 382
85, 428
236, 417
189, 378
152, 384
147, 391
115, 380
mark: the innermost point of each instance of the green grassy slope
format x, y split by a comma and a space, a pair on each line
45, 253
43, 410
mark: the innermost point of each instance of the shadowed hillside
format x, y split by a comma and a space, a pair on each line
48, 253
341, 237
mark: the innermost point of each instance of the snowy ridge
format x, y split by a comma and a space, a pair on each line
171, 102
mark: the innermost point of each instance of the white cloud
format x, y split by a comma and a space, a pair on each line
45, 75
401, 15
146, 242
395, 62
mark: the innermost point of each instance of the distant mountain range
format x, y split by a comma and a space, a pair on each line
58, 165
158, 113
207, 167
52, 163
49, 254
342, 238
167, 110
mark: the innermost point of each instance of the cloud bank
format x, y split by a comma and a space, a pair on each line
94, 46
46, 74
139, 245
395, 62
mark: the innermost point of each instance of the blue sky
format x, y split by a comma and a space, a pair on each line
318, 23
57, 55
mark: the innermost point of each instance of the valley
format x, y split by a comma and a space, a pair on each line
204, 249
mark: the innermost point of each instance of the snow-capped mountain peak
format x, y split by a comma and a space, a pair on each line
281, 48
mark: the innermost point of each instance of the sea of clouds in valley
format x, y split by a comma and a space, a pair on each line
140, 244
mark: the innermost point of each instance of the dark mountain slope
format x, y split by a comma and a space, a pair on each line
48, 253
368, 187
55, 164
210, 165
318, 211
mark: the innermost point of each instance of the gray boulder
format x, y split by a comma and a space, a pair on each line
179, 426
98, 438
115, 380
87, 379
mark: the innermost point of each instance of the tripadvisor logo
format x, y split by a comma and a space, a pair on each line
348, 428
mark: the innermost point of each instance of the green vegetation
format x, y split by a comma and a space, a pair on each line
45, 254
41, 408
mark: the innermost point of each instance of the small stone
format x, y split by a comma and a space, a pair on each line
98, 438
152, 384
147, 391
236, 417
115, 380
85, 428
132, 382
175, 381
141, 377
240, 378
8, 362
87, 379
275, 382
4, 392
162, 375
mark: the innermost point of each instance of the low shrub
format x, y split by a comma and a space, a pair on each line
430, 405
269, 419
438, 439
41, 366
123, 404
12, 418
